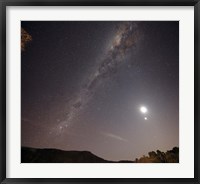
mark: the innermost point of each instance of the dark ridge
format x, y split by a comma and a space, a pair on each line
47, 155
34, 155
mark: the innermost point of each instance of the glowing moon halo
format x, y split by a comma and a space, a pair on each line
143, 109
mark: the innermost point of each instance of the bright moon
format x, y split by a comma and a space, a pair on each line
145, 118
143, 109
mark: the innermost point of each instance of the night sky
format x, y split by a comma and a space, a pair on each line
108, 87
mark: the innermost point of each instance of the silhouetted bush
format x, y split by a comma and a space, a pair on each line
171, 156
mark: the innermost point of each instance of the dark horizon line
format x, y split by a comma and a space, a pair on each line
87, 151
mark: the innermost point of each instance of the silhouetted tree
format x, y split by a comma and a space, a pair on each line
171, 156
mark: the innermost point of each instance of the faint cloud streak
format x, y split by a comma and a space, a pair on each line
114, 136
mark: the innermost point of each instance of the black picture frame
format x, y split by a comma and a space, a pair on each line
6, 3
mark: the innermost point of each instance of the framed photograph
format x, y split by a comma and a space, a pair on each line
103, 91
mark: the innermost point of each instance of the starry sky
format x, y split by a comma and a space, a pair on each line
108, 87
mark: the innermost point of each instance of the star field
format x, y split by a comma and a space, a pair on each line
108, 87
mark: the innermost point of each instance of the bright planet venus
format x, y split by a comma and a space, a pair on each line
143, 109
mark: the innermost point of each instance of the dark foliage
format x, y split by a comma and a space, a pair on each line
171, 156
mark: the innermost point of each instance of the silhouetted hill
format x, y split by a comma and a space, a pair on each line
33, 155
